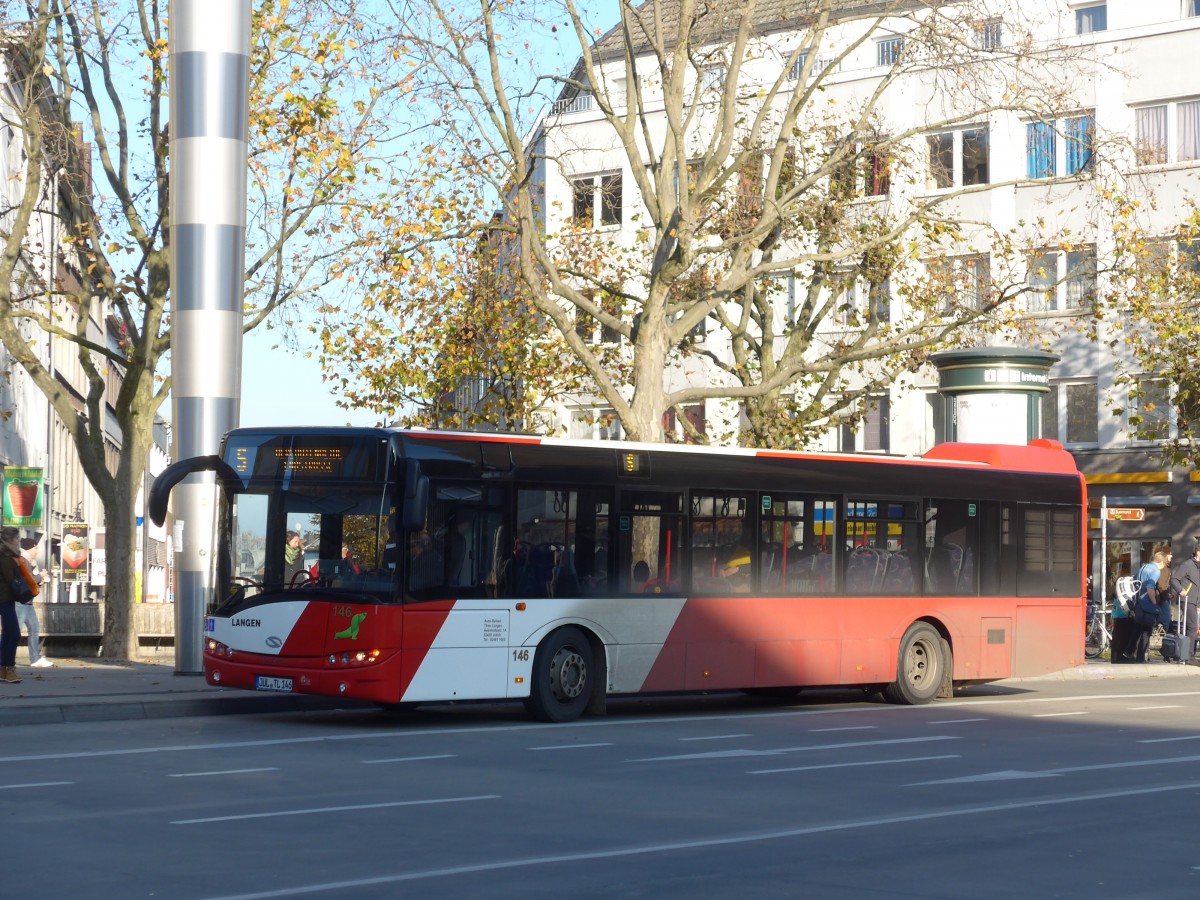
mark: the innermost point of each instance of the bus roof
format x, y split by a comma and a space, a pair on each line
1040, 455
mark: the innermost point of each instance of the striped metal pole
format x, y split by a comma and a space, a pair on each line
209, 72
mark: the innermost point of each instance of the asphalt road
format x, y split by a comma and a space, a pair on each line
1003, 792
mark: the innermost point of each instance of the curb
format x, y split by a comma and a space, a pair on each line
116, 709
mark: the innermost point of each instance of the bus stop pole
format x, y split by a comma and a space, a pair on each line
210, 72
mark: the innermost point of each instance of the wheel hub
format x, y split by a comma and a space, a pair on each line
568, 674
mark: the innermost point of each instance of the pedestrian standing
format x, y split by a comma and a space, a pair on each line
1147, 614
27, 615
10, 628
1186, 583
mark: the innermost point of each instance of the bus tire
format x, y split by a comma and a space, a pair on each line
563, 671
920, 666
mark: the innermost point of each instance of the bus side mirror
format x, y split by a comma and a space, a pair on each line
160, 491
416, 496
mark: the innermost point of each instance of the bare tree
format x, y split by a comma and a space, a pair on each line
746, 171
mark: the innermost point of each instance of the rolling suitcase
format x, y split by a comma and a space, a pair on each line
1179, 647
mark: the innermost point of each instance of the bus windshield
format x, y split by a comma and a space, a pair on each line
314, 534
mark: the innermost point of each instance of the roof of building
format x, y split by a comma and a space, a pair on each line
715, 19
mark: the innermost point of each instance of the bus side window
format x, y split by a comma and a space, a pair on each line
650, 530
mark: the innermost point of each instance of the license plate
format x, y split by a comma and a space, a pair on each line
266, 683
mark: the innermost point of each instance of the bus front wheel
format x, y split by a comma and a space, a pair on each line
562, 677
921, 666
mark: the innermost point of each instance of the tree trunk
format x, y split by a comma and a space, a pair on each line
120, 636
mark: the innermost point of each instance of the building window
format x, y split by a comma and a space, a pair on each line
1151, 146
879, 298
1079, 286
712, 78
819, 65
1150, 410
1041, 147
590, 330
863, 171
1080, 424
888, 51
596, 424
1187, 257
960, 281
1091, 19
845, 309
989, 35
616, 95
957, 158
1191, 8
609, 425
596, 200
1167, 133
873, 430
1057, 279
1080, 142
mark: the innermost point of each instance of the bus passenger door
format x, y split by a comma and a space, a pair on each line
455, 654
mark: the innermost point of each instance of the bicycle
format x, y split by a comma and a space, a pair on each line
1098, 637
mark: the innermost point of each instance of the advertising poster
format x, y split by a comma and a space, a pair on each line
74, 551
99, 562
22, 497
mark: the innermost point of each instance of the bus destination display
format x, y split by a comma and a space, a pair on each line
302, 459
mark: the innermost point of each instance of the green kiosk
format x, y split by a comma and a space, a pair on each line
993, 394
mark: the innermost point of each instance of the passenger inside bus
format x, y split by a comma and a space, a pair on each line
641, 575
293, 560
424, 562
736, 570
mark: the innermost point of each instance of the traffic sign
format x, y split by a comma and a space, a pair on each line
1125, 513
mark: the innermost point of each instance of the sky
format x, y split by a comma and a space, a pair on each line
281, 387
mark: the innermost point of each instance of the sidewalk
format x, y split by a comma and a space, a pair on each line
87, 690
78, 690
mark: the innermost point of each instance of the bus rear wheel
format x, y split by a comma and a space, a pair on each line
562, 677
921, 666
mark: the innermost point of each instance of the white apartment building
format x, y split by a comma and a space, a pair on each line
1134, 90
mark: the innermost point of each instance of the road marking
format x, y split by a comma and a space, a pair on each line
398, 759
728, 754
1143, 708
715, 737
329, 809
1170, 740
1014, 774
1058, 715
700, 843
846, 728
570, 746
226, 772
849, 765
36, 784
956, 721
657, 720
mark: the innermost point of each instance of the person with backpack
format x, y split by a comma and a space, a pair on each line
10, 627
1186, 583
1150, 607
1124, 629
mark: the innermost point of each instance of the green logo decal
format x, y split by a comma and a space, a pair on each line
352, 631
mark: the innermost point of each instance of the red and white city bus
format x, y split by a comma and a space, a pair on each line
485, 566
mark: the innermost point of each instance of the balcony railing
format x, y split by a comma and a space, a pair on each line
578, 103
